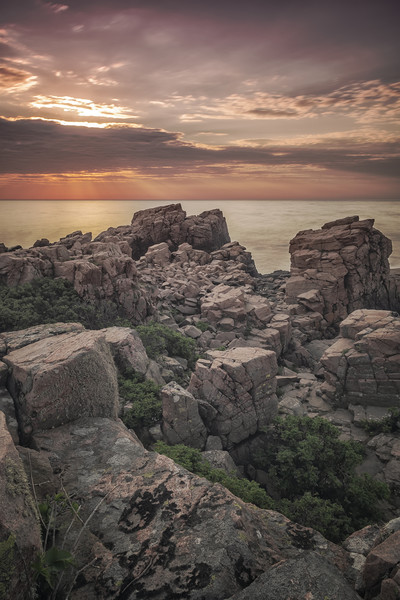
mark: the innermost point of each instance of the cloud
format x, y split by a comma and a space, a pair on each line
82, 107
363, 101
15, 80
36, 146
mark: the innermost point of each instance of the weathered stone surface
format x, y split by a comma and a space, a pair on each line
59, 379
181, 422
12, 340
129, 353
221, 459
363, 365
381, 562
207, 231
19, 522
308, 577
169, 534
340, 268
236, 308
240, 385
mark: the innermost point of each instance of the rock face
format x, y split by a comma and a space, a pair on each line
339, 268
207, 231
59, 379
19, 522
182, 423
305, 578
363, 365
159, 531
239, 386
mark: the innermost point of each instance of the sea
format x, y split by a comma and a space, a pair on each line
264, 227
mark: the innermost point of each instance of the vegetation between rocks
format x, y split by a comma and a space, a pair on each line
192, 460
388, 424
144, 395
159, 339
50, 300
312, 476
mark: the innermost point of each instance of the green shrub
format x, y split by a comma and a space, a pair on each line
192, 460
49, 300
160, 339
145, 398
386, 425
202, 325
314, 474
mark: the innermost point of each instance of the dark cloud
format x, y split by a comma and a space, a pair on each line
35, 146
10, 77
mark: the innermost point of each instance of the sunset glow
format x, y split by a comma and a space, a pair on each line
173, 100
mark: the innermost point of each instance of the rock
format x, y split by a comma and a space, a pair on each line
59, 379
18, 339
160, 531
228, 308
381, 563
19, 522
240, 385
307, 577
181, 422
213, 443
363, 365
220, 459
207, 231
362, 541
129, 353
41, 243
7, 407
339, 269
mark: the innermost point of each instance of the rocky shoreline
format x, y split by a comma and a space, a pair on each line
322, 340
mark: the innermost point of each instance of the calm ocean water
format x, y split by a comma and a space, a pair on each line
264, 227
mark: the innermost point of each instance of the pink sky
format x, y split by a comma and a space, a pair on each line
189, 100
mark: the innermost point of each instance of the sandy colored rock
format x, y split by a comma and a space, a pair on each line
59, 379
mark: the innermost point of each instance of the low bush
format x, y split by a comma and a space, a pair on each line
313, 473
145, 398
160, 339
49, 300
388, 424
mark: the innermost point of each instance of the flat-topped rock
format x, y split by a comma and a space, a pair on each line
240, 385
340, 268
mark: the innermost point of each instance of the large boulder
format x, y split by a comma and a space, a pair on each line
340, 268
158, 530
61, 378
363, 365
240, 385
381, 569
19, 522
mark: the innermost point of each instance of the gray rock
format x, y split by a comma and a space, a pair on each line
307, 577
181, 421
19, 522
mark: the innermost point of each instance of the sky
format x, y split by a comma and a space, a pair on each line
168, 99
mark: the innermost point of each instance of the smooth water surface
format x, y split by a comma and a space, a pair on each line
264, 227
